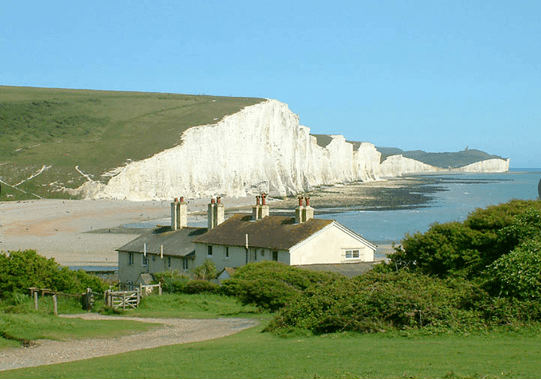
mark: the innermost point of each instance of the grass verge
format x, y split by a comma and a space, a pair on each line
252, 354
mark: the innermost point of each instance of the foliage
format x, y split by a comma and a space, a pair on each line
466, 249
172, 281
206, 271
518, 273
201, 286
381, 301
20, 270
498, 354
271, 285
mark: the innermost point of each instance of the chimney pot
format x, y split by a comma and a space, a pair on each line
300, 201
212, 200
219, 199
263, 199
182, 199
257, 200
176, 199
307, 201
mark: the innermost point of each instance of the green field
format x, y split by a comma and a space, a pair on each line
252, 354
503, 353
94, 130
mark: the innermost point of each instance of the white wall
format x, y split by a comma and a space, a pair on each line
328, 247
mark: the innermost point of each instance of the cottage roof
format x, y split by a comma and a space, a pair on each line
175, 243
271, 232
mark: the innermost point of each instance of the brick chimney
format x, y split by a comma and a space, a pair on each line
264, 206
299, 212
179, 214
216, 212
211, 214
219, 212
308, 212
256, 209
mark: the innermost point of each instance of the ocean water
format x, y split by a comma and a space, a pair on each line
455, 197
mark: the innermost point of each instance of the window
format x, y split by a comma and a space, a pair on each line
274, 255
130, 258
145, 260
226, 251
169, 261
352, 254
209, 250
185, 263
262, 253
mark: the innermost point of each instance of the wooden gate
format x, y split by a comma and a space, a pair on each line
125, 300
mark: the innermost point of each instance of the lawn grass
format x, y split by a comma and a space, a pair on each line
252, 354
194, 306
22, 323
95, 130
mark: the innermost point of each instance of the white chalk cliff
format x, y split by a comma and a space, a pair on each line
260, 148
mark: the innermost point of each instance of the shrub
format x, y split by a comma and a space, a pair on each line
20, 270
269, 294
172, 281
201, 286
378, 302
466, 249
271, 285
206, 271
518, 273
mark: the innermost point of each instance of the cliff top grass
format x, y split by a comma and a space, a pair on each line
94, 130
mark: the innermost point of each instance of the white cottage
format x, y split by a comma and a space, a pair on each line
302, 240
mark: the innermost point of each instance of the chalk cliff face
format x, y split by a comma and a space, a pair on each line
259, 149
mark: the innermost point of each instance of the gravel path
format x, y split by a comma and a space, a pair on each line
174, 331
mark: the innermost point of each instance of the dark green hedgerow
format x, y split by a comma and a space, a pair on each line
20, 270
381, 301
271, 285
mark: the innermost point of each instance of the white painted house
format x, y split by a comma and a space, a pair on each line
301, 241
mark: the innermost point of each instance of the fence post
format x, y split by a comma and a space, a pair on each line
124, 301
36, 300
55, 305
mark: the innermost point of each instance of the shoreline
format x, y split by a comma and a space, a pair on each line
87, 232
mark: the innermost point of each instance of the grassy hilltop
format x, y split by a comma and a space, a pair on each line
94, 130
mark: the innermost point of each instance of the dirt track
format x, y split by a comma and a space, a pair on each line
173, 331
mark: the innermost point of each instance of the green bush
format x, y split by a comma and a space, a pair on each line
201, 286
20, 270
172, 281
518, 273
206, 271
381, 301
271, 285
269, 294
466, 249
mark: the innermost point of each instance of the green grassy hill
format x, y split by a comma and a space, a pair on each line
94, 130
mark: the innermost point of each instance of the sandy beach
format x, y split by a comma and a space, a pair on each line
86, 233
65, 229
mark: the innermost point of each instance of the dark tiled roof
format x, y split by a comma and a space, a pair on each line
175, 243
271, 232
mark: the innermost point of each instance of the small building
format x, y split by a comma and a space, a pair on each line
300, 241
166, 248
243, 238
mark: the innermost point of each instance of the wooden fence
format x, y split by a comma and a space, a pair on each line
125, 300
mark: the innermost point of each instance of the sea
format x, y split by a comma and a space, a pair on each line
452, 199
448, 197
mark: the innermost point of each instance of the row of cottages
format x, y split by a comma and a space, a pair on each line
241, 239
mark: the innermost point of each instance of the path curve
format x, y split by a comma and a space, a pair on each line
174, 331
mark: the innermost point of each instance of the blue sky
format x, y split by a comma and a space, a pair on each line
433, 75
